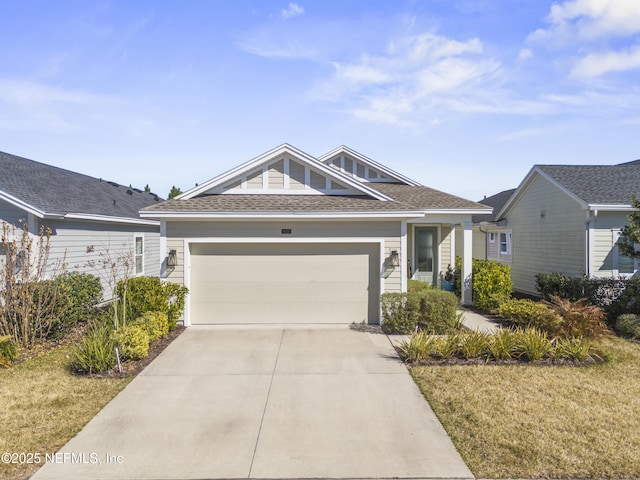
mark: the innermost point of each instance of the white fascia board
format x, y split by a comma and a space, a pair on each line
536, 170
611, 207
110, 219
278, 215
274, 153
372, 163
16, 202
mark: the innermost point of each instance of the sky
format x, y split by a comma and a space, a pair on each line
462, 96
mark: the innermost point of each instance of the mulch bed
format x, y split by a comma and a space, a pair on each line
131, 368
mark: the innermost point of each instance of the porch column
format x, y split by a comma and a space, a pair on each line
467, 253
403, 256
163, 249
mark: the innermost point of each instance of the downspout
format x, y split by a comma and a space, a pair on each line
590, 224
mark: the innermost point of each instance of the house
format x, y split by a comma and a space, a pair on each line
290, 238
562, 219
92, 221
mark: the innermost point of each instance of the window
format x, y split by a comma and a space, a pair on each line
505, 243
622, 265
139, 254
492, 237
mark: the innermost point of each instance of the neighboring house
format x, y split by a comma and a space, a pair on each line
289, 238
92, 221
564, 219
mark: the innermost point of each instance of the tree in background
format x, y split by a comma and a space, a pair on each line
630, 234
147, 188
175, 191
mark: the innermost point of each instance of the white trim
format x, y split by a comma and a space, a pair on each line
136, 255
285, 172
174, 215
273, 155
265, 240
163, 249
403, 256
590, 234
105, 218
438, 240
611, 207
508, 240
467, 255
341, 150
281, 191
32, 224
16, 202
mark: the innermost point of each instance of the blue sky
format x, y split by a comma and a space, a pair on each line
463, 96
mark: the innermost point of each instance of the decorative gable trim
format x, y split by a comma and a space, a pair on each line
285, 170
355, 165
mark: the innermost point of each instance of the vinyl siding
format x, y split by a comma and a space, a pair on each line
549, 232
389, 231
83, 246
603, 252
296, 175
11, 214
276, 175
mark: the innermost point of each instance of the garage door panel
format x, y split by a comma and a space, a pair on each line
283, 283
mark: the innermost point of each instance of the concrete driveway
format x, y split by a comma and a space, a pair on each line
265, 403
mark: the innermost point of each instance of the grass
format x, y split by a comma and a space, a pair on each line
528, 421
43, 405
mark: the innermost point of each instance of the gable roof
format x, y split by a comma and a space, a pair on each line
342, 151
592, 186
51, 192
363, 199
496, 201
226, 182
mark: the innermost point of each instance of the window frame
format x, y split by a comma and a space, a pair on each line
615, 268
137, 255
507, 243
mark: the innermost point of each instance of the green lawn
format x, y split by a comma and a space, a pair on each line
528, 421
42, 406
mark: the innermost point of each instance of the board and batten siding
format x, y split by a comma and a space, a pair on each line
549, 234
83, 246
388, 231
605, 224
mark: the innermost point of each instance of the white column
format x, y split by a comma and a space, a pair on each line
403, 255
467, 253
163, 249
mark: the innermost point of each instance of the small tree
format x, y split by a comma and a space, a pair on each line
175, 191
147, 188
630, 234
29, 299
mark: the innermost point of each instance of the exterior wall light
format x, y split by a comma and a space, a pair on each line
395, 258
172, 259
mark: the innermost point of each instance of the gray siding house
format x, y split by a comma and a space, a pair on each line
290, 238
90, 219
562, 219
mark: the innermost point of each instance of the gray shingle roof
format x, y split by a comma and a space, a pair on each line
54, 190
598, 184
406, 198
496, 201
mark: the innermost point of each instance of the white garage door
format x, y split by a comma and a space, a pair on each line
283, 283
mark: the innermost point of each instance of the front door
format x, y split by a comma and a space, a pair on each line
425, 254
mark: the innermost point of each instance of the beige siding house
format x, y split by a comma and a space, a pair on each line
290, 238
91, 220
564, 219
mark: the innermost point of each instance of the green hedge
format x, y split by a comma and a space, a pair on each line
491, 284
79, 294
150, 294
432, 310
616, 295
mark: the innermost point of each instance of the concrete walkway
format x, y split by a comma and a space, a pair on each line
267, 404
474, 321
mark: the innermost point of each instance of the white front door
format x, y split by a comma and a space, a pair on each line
425, 254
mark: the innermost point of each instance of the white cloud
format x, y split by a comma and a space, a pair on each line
525, 54
597, 64
26, 92
292, 10
590, 19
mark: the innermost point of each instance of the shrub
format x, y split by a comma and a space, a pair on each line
502, 345
448, 346
629, 324
96, 352
77, 300
474, 344
527, 313
416, 286
150, 294
8, 350
400, 313
572, 349
155, 324
419, 347
533, 344
132, 342
491, 284
437, 311
579, 318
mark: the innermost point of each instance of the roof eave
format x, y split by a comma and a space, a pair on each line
16, 202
